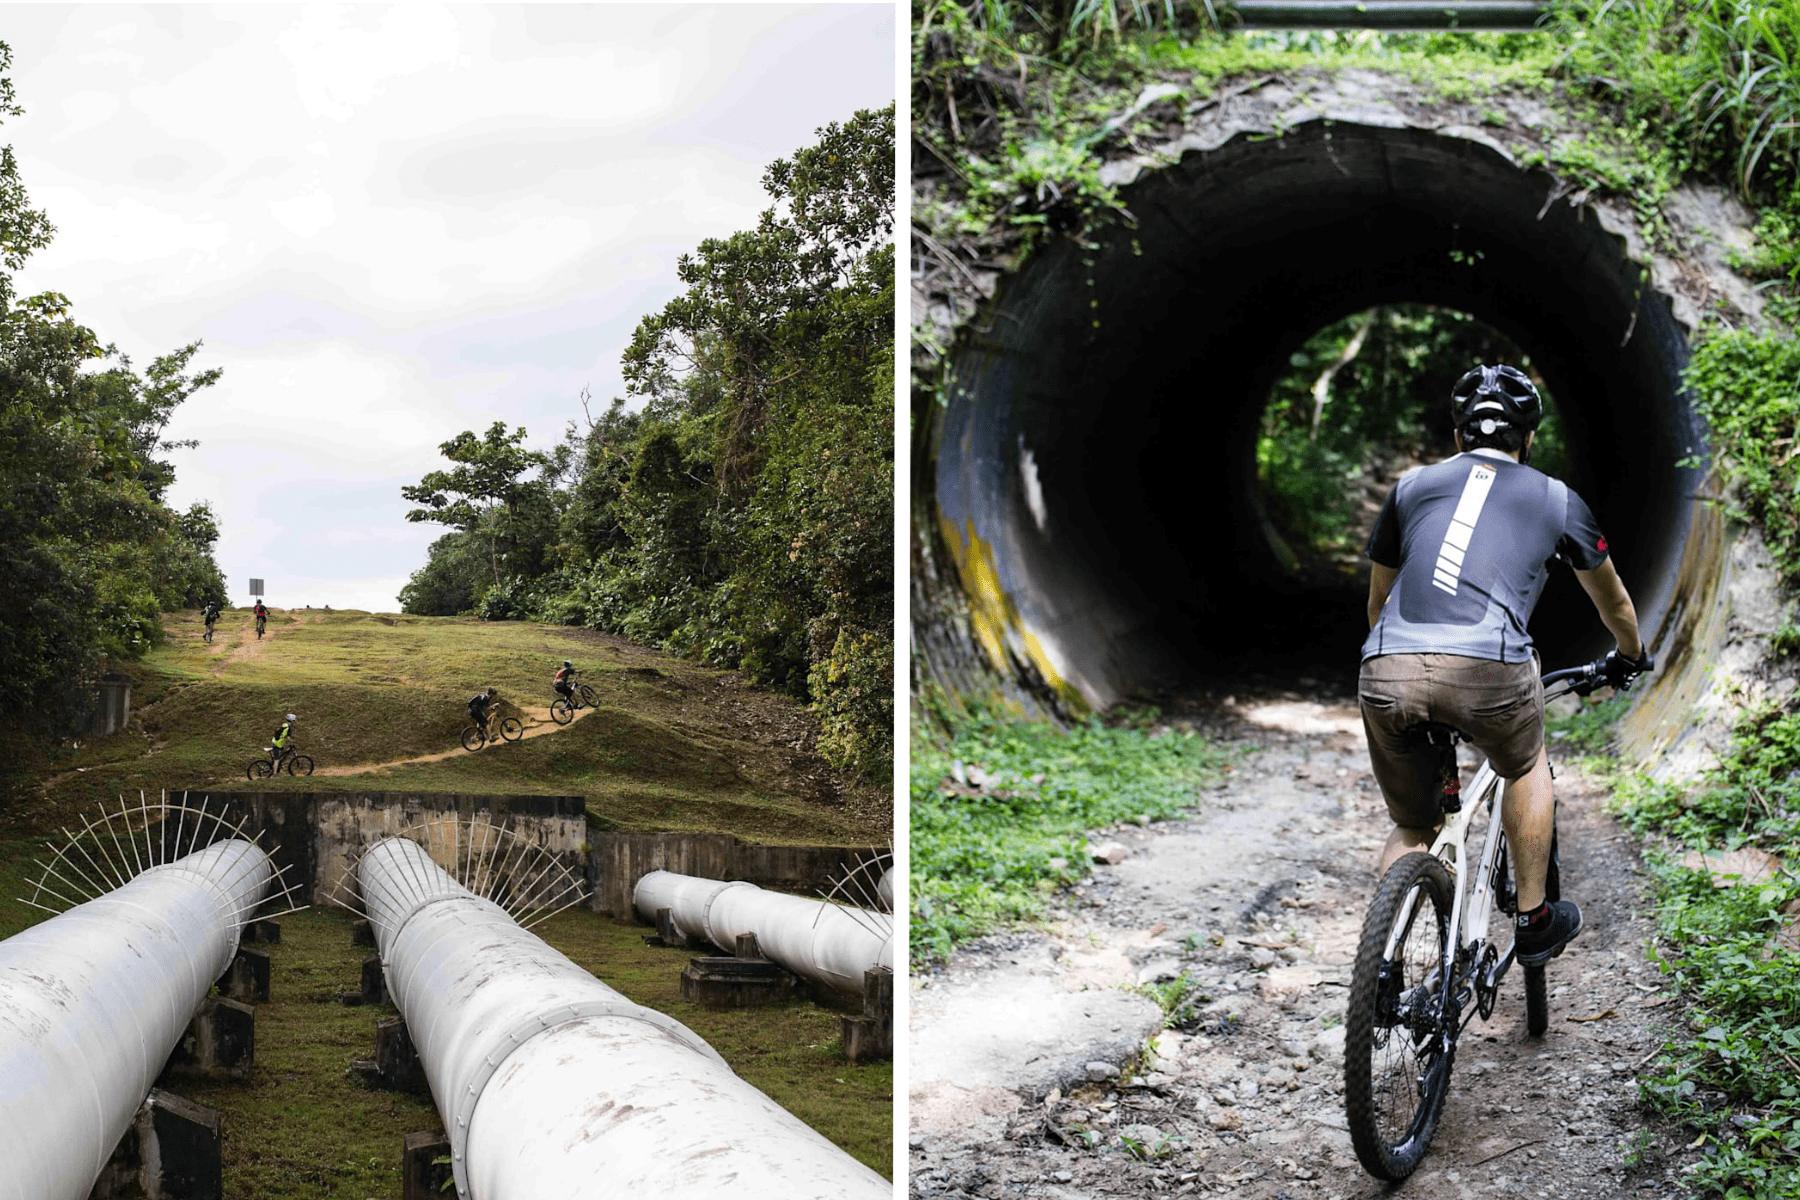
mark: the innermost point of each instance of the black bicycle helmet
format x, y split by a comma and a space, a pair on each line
1490, 397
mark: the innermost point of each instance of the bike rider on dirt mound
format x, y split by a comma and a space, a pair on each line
262, 614
210, 614
478, 707
564, 682
1460, 554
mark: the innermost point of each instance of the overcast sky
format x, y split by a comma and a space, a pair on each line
391, 224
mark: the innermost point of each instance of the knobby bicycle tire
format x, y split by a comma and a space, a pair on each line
511, 730
587, 695
473, 739
300, 765
1396, 1061
561, 711
260, 769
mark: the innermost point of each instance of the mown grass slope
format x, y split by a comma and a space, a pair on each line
671, 745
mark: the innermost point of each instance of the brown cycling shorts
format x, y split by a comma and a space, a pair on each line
1499, 705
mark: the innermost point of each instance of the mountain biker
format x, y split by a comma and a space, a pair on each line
283, 736
564, 681
1459, 554
478, 707
210, 614
262, 614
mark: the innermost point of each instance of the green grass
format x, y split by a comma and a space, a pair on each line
303, 1127
983, 858
671, 745
1729, 1071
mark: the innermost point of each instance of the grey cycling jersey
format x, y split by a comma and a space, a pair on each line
1473, 537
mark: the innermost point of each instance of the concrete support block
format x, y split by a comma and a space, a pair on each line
747, 947
735, 982
266, 932
220, 1041
247, 978
362, 933
374, 981
171, 1152
423, 1176
396, 1066
871, 1036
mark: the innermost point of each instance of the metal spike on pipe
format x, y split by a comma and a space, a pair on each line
553, 1086
94, 1000
827, 943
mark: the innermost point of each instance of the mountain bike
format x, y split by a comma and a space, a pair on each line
208, 635
563, 708
477, 736
279, 761
1425, 955
260, 623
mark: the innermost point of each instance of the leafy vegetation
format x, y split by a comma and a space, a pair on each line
1000, 808
93, 552
1748, 388
739, 509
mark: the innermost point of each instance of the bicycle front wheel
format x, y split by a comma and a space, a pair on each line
260, 769
300, 765
587, 694
1399, 1035
511, 730
472, 739
561, 711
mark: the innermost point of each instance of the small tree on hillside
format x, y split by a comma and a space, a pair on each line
476, 493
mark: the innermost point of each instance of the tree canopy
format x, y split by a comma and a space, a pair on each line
737, 504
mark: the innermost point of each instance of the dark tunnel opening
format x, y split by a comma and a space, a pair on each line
1094, 470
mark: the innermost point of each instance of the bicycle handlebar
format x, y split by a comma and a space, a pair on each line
1583, 680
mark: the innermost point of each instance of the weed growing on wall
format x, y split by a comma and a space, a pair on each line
1000, 810
1748, 389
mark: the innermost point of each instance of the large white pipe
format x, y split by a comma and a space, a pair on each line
92, 1003
825, 942
553, 1086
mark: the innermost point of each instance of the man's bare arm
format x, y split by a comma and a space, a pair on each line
1381, 582
1607, 591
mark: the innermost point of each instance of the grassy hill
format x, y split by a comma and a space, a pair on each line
670, 746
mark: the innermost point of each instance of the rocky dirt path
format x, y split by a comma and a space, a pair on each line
536, 720
1037, 1071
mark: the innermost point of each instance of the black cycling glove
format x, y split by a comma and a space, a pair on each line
1619, 671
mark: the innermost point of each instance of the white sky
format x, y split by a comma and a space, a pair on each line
389, 224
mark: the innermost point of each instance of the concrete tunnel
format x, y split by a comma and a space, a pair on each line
1093, 472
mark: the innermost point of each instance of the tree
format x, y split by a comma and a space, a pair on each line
477, 492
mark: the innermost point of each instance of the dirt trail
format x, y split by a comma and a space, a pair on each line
1016, 1045
537, 724
245, 644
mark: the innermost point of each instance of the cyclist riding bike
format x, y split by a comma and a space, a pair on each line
479, 704
564, 681
262, 615
1460, 553
283, 740
210, 615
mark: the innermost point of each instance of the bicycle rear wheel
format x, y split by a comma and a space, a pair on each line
561, 711
472, 739
511, 730
300, 765
260, 768
1397, 1056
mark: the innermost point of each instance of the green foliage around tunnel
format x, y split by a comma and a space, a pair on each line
1000, 810
1748, 388
93, 551
739, 509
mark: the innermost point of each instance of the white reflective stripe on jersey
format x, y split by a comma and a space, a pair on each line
1462, 527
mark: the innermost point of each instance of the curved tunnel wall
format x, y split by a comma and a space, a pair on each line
1094, 469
